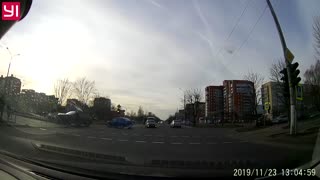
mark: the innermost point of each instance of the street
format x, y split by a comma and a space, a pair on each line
162, 145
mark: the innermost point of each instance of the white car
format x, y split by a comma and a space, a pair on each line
175, 123
150, 122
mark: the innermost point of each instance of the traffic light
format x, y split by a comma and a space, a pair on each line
294, 72
285, 81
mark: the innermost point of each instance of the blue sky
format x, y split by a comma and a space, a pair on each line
140, 52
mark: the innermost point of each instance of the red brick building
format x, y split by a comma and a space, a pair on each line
239, 100
214, 102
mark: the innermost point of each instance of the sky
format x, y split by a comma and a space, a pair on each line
145, 52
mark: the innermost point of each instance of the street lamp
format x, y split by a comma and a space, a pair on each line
11, 57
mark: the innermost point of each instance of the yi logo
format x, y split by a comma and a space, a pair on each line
10, 11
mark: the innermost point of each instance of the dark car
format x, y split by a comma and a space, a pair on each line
120, 122
74, 118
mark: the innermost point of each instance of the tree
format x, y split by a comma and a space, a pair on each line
62, 90
140, 112
257, 80
312, 77
316, 35
275, 69
193, 98
84, 90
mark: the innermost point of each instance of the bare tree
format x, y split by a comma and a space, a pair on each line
316, 35
312, 77
84, 90
63, 90
275, 69
193, 98
257, 80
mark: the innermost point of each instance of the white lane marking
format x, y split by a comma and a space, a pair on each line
194, 143
91, 137
76, 134
176, 143
108, 139
227, 142
211, 143
147, 135
140, 141
158, 142
123, 139
43, 129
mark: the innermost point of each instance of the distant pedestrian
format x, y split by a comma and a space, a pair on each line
9, 110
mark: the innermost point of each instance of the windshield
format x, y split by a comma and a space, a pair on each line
224, 84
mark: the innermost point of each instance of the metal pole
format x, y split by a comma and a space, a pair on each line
293, 124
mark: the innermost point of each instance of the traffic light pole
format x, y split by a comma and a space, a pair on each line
293, 122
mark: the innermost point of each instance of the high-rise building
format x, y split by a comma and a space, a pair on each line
214, 102
239, 100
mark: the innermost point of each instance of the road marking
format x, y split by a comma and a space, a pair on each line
76, 134
123, 139
176, 143
140, 141
43, 129
91, 137
158, 142
194, 143
211, 143
227, 142
108, 139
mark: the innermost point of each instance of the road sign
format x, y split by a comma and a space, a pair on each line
299, 92
289, 55
266, 106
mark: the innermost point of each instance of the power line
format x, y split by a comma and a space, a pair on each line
236, 25
252, 29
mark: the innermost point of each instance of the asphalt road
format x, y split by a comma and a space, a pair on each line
140, 145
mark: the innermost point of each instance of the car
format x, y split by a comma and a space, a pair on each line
175, 123
120, 122
74, 118
150, 122
280, 119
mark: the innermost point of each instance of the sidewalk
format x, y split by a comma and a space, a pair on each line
279, 134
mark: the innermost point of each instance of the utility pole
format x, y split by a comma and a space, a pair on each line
293, 120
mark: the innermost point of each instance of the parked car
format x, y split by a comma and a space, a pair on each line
150, 122
175, 123
280, 119
120, 122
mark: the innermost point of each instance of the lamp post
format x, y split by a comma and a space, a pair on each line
11, 57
